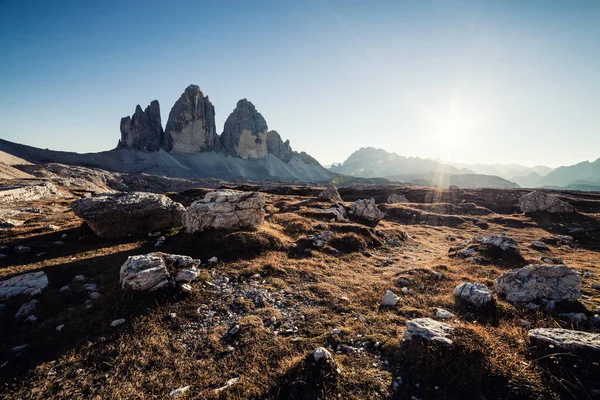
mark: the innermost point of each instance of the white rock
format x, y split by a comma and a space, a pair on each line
179, 392
144, 273
63, 236
566, 339
390, 299
185, 288
60, 327
228, 384
187, 275
117, 322
535, 282
321, 352
367, 210
443, 314
473, 294
26, 309
539, 201
213, 260
225, 209
24, 284
428, 329
31, 319
331, 194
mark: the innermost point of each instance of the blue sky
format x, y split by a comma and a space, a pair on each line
465, 81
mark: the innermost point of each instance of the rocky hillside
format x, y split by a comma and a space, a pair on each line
584, 173
189, 146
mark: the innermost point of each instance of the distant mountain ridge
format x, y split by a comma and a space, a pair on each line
582, 174
369, 162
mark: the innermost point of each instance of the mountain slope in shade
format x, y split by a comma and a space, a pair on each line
584, 173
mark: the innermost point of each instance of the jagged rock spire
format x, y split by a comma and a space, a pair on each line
143, 130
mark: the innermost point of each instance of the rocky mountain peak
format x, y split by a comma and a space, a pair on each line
245, 132
191, 124
142, 131
278, 147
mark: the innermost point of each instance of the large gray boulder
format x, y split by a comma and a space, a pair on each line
116, 215
367, 210
537, 282
331, 194
279, 148
225, 210
473, 294
143, 130
149, 272
565, 339
245, 132
539, 201
191, 125
429, 329
28, 284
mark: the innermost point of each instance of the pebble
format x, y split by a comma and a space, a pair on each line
185, 288
390, 299
117, 322
229, 383
179, 392
95, 296
59, 243
443, 314
63, 236
60, 327
31, 319
79, 278
213, 260
22, 249
91, 287
19, 348
64, 289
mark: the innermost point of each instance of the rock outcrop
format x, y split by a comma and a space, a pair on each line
191, 125
278, 147
128, 214
396, 198
142, 131
539, 282
367, 210
428, 329
473, 294
539, 201
331, 194
28, 284
566, 340
225, 209
245, 132
149, 272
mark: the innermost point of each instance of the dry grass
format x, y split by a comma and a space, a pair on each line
151, 354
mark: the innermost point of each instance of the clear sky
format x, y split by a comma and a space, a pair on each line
466, 81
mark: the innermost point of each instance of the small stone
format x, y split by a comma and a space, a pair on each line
437, 274
16, 349
59, 243
63, 236
473, 294
390, 299
213, 260
443, 314
187, 275
117, 322
90, 287
179, 392
172, 315
64, 289
26, 309
539, 246
321, 352
60, 327
185, 288
525, 323
79, 279
228, 384
22, 249
95, 296
31, 319
428, 329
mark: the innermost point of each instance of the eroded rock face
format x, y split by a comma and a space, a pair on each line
191, 125
473, 294
539, 201
128, 214
331, 194
26, 284
428, 329
278, 147
245, 132
396, 198
143, 130
566, 339
225, 209
367, 210
149, 272
539, 282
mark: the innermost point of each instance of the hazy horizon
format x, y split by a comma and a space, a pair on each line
460, 81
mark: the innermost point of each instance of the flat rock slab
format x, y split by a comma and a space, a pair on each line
117, 215
537, 282
25, 284
567, 339
428, 329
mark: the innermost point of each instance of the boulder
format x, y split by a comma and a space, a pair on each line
117, 215
225, 209
539, 282
319, 240
396, 198
367, 210
26, 284
539, 201
142, 131
428, 329
26, 309
331, 194
245, 132
473, 294
191, 125
390, 299
149, 272
565, 339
